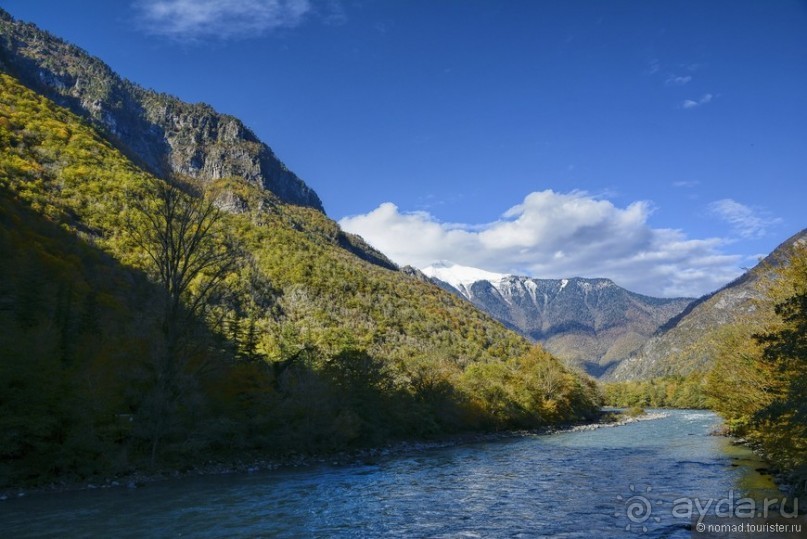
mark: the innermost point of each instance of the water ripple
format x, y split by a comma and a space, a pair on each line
566, 485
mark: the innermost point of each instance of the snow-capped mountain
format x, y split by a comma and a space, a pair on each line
461, 277
589, 322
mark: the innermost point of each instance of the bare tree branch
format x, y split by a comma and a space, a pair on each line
189, 255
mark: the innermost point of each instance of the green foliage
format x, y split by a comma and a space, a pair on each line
65, 322
759, 383
304, 346
529, 390
635, 411
666, 392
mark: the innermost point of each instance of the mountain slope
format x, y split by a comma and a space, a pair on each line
158, 131
313, 345
73, 322
689, 342
586, 322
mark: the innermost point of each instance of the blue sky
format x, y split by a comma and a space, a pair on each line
662, 144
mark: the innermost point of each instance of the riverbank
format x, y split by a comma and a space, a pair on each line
569, 484
620, 421
606, 419
792, 483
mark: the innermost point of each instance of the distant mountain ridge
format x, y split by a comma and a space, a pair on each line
156, 130
688, 342
591, 323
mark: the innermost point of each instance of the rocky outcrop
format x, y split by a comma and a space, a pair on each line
158, 131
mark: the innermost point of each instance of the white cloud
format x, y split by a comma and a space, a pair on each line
554, 235
191, 20
745, 221
677, 80
704, 99
686, 184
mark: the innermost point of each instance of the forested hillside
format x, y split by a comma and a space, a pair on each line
588, 323
752, 361
691, 341
759, 380
280, 337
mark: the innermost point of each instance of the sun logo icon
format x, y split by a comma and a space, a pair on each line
638, 508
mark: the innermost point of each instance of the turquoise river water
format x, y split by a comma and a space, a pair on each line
610, 482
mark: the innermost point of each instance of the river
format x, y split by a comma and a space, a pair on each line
570, 484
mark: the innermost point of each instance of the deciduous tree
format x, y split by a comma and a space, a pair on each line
186, 250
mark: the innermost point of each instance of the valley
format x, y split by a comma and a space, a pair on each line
591, 324
177, 303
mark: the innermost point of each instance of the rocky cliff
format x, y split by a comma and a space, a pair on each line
158, 131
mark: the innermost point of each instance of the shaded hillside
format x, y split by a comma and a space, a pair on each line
157, 130
309, 347
586, 322
689, 342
